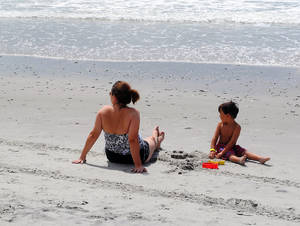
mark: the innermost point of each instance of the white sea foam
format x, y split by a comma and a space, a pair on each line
213, 11
218, 31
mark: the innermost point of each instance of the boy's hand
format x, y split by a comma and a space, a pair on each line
212, 155
219, 155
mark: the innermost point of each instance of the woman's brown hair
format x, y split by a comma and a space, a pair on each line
124, 94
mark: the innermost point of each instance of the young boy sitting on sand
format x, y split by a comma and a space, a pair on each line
223, 144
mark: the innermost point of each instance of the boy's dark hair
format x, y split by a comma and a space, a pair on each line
229, 108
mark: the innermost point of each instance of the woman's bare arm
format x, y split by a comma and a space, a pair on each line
91, 139
134, 142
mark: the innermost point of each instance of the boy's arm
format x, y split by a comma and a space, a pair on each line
233, 140
216, 136
214, 141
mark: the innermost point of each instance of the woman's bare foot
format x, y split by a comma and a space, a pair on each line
154, 141
160, 139
242, 160
155, 133
263, 160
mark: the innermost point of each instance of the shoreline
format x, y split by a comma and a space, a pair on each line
148, 61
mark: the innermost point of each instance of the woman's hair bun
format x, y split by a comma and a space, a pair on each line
135, 96
124, 94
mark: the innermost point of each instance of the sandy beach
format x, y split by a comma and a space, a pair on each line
48, 107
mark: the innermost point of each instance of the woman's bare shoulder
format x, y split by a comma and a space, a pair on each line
105, 109
133, 111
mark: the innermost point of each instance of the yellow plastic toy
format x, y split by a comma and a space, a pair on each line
219, 162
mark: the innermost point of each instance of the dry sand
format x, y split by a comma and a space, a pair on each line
48, 107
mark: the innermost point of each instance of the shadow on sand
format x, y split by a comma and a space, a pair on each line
124, 167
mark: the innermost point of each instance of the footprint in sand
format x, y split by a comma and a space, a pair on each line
42, 153
12, 150
281, 191
188, 127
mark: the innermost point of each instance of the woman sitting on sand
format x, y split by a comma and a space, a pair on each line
120, 124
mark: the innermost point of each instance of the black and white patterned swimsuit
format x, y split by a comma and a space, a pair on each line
117, 148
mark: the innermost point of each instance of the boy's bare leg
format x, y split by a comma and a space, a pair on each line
255, 157
154, 141
239, 160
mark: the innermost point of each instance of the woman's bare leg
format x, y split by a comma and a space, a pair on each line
154, 141
255, 157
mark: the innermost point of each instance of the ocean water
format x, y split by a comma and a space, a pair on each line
265, 32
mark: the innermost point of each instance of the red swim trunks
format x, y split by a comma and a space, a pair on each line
236, 150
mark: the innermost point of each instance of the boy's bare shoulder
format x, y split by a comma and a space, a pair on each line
237, 126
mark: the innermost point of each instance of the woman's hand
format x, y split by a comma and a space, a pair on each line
140, 169
79, 161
